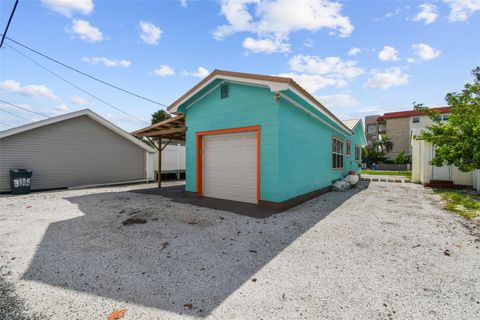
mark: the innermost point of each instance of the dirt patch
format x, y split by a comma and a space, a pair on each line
132, 221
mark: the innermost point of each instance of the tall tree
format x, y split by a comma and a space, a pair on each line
457, 141
160, 115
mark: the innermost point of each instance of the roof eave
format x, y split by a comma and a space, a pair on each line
273, 82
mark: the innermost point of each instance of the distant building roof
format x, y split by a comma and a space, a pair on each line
351, 123
410, 113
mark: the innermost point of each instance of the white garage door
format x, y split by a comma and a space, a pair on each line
230, 166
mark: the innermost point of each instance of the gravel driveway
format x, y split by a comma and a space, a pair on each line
380, 251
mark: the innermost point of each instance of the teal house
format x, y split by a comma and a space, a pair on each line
263, 139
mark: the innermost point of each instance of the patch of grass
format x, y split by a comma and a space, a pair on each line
407, 174
461, 202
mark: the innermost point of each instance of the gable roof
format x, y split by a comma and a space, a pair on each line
351, 123
275, 84
85, 112
410, 113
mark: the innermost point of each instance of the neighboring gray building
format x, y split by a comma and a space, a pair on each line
75, 149
371, 129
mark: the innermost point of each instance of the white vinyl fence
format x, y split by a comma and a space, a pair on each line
476, 179
173, 161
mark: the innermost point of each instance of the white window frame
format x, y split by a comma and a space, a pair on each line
337, 154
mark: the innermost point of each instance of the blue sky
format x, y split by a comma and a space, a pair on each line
357, 57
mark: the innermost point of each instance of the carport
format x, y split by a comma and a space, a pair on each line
170, 129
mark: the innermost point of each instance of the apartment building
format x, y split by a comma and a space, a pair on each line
399, 127
371, 129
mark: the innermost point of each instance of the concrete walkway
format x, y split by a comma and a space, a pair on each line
384, 178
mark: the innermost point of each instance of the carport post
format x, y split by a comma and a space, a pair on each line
159, 162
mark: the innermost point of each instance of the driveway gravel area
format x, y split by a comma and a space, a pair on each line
379, 251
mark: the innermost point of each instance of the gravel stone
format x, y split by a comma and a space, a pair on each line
376, 251
11, 306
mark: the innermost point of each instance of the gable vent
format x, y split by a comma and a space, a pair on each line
224, 91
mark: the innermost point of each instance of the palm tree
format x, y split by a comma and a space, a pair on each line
385, 144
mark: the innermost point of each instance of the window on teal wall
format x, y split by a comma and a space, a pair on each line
349, 148
337, 153
358, 152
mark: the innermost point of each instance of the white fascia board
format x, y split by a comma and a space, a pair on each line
273, 86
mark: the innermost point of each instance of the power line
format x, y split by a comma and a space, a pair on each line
75, 86
25, 109
13, 114
86, 74
8, 23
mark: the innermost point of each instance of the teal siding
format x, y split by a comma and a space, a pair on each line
306, 153
358, 138
296, 148
245, 106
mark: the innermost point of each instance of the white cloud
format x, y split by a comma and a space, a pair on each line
79, 100
183, 3
61, 109
425, 52
275, 20
338, 100
354, 51
314, 73
372, 110
308, 43
388, 78
83, 30
31, 90
200, 73
122, 119
428, 13
149, 33
107, 62
390, 14
388, 54
265, 45
314, 82
164, 70
461, 10
69, 7
331, 66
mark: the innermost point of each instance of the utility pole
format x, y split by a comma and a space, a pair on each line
8, 23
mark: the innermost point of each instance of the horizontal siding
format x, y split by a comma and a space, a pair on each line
73, 152
306, 153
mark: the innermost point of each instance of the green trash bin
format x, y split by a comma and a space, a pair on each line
20, 180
